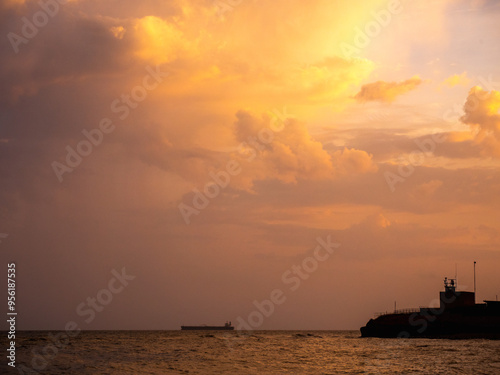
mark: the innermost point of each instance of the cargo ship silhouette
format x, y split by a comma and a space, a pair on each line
458, 316
226, 327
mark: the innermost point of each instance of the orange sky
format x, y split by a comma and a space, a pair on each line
206, 147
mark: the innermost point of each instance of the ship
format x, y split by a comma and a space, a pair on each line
226, 327
458, 316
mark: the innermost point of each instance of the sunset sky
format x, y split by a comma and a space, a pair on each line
207, 146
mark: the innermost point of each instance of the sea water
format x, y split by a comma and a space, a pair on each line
258, 352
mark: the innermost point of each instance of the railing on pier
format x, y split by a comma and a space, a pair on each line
400, 311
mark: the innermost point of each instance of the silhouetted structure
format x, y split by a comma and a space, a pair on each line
458, 316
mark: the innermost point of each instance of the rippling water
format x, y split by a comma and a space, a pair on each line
259, 352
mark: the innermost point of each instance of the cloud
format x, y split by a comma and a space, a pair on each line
158, 40
482, 110
386, 91
287, 155
352, 161
291, 154
482, 115
427, 189
374, 222
457, 80
52, 58
13, 3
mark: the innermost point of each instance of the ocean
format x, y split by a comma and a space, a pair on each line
258, 352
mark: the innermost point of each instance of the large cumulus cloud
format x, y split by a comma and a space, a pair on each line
482, 114
287, 152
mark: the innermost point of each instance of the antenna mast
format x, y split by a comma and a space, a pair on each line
474, 281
